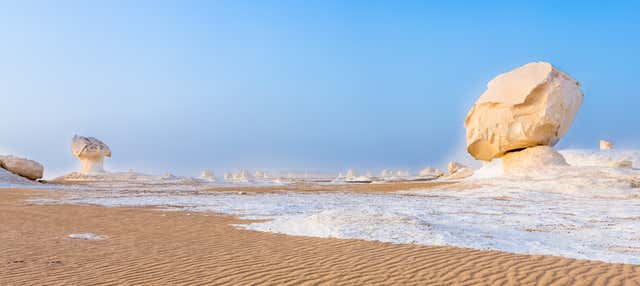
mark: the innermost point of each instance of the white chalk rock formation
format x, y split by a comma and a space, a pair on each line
430, 173
403, 173
606, 145
22, 167
532, 105
91, 152
351, 174
458, 171
532, 159
207, 175
243, 176
386, 173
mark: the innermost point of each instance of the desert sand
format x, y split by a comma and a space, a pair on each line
151, 247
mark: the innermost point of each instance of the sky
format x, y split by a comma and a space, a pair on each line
179, 86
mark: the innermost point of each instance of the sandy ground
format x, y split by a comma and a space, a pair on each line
149, 247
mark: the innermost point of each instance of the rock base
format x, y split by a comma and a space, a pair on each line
532, 159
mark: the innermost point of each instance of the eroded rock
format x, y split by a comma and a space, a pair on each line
530, 106
91, 152
22, 167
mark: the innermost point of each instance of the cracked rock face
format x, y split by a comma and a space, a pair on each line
532, 105
91, 152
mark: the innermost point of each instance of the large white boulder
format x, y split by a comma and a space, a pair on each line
91, 152
532, 105
532, 159
22, 167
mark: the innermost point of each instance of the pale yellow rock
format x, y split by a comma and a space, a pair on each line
532, 159
453, 167
430, 172
532, 105
91, 152
606, 145
461, 174
458, 171
22, 167
207, 174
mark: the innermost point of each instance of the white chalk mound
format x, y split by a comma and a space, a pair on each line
91, 152
430, 173
530, 106
531, 159
458, 171
22, 167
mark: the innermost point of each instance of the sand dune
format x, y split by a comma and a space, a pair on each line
148, 247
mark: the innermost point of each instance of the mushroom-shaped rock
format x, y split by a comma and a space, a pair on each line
532, 159
22, 167
430, 173
532, 105
606, 145
91, 152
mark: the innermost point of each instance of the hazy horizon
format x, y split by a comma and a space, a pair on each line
324, 86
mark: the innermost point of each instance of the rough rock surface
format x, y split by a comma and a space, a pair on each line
91, 152
532, 105
22, 167
606, 145
532, 159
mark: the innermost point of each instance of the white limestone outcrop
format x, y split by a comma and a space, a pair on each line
530, 106
91, 152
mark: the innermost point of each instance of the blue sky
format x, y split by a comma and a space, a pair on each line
325, 85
